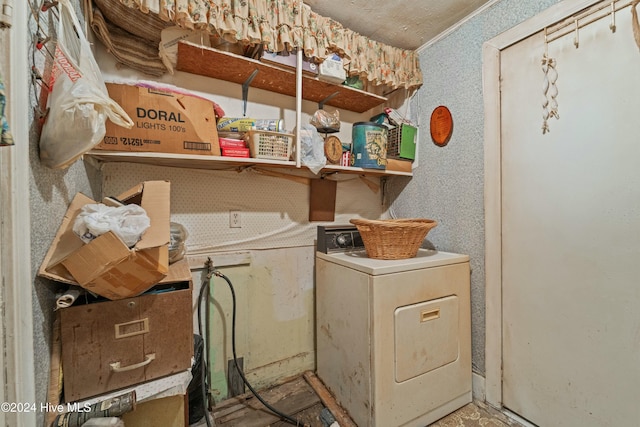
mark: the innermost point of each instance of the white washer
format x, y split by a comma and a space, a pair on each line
394, 336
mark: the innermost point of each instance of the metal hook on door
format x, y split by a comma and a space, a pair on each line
546, 43
576, 37
612, 25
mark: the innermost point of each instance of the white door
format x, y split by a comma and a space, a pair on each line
571, 231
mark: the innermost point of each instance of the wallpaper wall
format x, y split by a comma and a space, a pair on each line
448, 184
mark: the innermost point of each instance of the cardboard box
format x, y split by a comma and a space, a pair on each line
170, 411
332, 70
109, 345
399, 165
106, 266
308, 67
164, 121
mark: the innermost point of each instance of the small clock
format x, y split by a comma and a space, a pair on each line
333, 149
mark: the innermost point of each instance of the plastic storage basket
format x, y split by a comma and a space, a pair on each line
270, 145
393, 238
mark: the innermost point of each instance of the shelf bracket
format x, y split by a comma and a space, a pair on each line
327, 99
241, 169
245, 91
323, 175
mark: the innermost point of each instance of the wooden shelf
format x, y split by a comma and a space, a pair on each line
234, 68
192, 161
195, 59
362, 171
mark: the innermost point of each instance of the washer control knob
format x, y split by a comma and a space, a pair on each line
343, 240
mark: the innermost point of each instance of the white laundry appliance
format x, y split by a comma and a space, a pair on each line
393, 336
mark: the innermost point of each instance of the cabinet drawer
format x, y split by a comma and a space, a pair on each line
114, 344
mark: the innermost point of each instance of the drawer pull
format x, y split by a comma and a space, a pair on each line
427, 315
131, 329
115, 366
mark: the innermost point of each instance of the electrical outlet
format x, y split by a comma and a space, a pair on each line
234, 219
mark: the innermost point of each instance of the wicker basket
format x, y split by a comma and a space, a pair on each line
393, 238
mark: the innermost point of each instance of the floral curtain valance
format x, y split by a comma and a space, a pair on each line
287, 24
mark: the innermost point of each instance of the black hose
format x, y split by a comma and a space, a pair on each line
205, 350
284, 416
205, 287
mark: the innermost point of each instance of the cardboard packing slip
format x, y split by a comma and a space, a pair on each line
164, 121
106, 266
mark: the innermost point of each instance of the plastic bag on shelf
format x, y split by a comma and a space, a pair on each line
177, 238
79, 103
128, 222
312, 149
326, 121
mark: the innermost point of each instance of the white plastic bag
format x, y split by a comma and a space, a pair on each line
312, 149
177, 242
128, 222
79, 103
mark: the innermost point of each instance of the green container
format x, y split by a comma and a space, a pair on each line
369, 145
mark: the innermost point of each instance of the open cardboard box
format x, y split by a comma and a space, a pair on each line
106, 266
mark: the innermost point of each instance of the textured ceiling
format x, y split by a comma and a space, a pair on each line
406, 24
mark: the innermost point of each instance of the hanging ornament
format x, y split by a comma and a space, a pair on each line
552, 74
549, 88
545, 99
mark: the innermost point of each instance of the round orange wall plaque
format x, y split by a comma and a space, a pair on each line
441, 125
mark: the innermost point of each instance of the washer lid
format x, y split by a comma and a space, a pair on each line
425, 258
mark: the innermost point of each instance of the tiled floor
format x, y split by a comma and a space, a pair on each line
298, 399
476, 414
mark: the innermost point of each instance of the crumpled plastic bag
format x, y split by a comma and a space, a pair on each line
312, 149
177, 242
128, 222
326, 121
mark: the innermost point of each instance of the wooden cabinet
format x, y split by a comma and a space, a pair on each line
114, 344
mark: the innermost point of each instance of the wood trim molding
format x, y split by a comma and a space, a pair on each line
492, 225
16, 255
